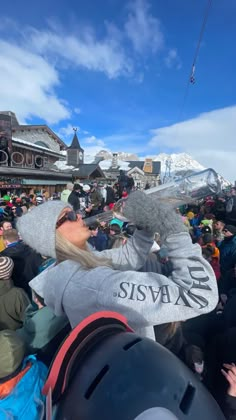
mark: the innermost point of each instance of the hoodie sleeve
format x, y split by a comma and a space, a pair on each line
132, 255
153, 299
147, 299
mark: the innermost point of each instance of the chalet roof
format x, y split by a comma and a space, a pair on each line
31, 146
75, 143
40, 127
86, 170
36, 173
16, 126
156, 166
136, 163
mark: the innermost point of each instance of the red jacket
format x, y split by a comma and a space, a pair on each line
216, 267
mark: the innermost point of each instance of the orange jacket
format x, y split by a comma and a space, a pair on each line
7, 387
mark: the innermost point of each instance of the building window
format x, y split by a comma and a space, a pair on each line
41, 143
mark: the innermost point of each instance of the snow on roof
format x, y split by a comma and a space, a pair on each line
124, 166
61, 164
107, 163
32, 144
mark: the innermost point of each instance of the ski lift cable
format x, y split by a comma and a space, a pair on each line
191, 78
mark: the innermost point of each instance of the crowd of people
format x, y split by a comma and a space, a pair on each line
171, 273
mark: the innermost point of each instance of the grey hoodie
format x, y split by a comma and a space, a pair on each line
146, 299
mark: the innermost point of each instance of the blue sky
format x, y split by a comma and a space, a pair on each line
118, 70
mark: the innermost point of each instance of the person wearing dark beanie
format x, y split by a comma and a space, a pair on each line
230, 228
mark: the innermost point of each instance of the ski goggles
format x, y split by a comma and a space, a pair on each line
71, 216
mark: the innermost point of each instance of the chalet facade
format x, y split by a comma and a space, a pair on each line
145, 173
27, 157
33, 157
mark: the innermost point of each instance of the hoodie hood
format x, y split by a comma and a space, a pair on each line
38, 227
51, 288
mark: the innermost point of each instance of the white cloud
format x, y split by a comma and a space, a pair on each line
94, 141
28, 85
83, 50
90, 152
209, 138
143, 29
32, 59
172, 59
67, 131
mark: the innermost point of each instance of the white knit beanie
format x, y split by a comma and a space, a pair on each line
37, 228
6, 267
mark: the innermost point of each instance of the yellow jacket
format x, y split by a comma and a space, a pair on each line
2, 246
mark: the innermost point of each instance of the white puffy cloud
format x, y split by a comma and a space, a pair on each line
172, 59
83, 50
32, 59
28, 85
94, 141
67, 131
209, 138
142, 28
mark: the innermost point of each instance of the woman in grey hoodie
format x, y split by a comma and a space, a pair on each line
83, 282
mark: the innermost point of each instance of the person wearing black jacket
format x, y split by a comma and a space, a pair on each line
26, 260
110, 195
73, 198
130, 183
231, 208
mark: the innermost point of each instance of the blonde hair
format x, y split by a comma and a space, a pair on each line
65, 250
165, 332
10, 235
119, 241
171, 328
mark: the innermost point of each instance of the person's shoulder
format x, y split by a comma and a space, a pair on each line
12, 251
15, 292
234, 240
4, 253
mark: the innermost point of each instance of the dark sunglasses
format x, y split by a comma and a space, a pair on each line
71, 216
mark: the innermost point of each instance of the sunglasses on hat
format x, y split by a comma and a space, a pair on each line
71, 216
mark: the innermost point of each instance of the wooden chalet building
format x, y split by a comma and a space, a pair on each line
27, 158
144, 172
28, 154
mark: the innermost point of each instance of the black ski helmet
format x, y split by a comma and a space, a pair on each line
107, 372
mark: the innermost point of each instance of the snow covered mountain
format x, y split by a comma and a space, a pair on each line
105, 154
182, 164
178, 162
